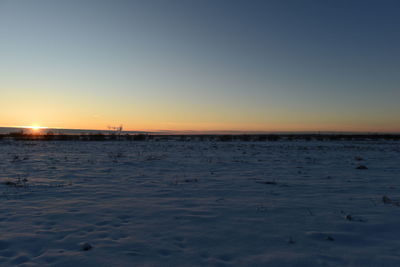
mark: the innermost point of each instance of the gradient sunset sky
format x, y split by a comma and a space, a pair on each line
312, 65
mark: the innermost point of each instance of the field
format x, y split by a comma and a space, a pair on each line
171, 203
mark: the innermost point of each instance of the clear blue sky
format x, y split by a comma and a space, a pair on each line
201, 65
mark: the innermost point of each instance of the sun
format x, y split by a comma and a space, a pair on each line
36, 128
32, 128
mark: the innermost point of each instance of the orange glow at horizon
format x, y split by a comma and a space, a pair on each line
219, 127
34, 128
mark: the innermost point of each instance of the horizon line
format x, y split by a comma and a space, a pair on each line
193, 132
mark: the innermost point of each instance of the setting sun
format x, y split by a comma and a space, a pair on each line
35, 128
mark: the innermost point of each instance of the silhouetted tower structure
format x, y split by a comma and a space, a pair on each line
117, 130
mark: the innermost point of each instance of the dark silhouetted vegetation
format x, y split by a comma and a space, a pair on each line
51, 136
225, 138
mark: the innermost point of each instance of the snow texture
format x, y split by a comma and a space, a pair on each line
199, 203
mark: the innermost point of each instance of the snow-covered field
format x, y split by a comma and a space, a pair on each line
199, 203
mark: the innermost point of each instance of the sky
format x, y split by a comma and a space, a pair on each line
250, 65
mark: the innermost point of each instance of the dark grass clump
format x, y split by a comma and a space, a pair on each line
267, 182
362, 167
18, 183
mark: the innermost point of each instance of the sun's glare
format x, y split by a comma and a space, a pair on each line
36, 128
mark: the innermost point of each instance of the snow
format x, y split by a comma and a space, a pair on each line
166, 203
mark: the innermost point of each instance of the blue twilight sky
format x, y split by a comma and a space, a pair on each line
201, 65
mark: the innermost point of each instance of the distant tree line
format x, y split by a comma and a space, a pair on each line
50, 136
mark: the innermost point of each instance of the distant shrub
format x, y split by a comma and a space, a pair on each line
245, 138
307, 138
96, 137
225, 138
48, 136
17, 135
83, 137
184, 138
273, 137
112, 136
63, 137
139, 137
261, 138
